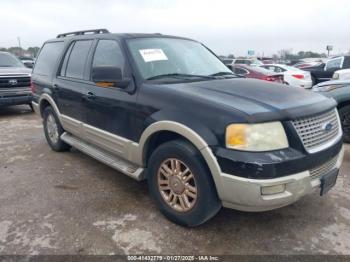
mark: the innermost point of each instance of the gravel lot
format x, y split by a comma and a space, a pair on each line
68, 203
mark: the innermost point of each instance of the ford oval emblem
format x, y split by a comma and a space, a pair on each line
327, 127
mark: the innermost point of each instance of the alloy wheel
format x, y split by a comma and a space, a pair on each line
177, 185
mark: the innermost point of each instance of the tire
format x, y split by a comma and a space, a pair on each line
53, 130
31, 107
313, 79
344, 114
194, 211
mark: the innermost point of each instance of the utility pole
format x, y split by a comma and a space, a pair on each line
19, 45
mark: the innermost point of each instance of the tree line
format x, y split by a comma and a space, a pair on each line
20, 52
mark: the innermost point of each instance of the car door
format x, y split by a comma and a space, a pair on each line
110, 111
70, 84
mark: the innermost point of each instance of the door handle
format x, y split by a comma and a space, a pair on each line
55, 87
90, 95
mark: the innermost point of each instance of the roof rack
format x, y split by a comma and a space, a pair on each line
92, 31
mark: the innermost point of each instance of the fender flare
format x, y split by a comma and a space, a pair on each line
189, 134
46, 97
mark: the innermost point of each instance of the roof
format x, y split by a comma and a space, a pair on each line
78, 35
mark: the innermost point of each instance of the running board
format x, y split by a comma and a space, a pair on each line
113, 161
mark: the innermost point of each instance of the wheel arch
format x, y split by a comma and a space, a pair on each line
46, 100
343, 103
179, 130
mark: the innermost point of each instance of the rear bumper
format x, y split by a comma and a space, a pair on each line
246, 194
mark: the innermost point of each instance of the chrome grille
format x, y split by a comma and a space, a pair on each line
312, 130
324, 168
5, 82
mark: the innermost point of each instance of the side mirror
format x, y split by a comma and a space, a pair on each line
109, 76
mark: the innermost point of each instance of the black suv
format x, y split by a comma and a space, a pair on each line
324, 72
14, 81
166, 109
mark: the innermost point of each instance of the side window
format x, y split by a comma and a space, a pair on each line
48, 57
77, 59
334, 63
279, 69
109, 53
240, 71
65, 61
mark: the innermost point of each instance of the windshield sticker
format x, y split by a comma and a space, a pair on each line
150, 55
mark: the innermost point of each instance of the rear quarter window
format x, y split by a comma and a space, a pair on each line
47, 58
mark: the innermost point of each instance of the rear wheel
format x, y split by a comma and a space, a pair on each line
53, 130
181, 184
344, 114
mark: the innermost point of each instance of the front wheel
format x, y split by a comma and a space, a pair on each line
344, 115
181, 184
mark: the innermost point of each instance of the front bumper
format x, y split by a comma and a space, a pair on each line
15, 99
246, 194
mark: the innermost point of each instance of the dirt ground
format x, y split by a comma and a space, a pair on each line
68, 203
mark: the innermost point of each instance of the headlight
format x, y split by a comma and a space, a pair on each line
336, 76
256, 137
325, 88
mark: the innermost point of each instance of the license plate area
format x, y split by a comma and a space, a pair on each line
328, 181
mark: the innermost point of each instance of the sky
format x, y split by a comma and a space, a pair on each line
226, 27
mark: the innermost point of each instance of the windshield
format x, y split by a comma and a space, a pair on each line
8, 60
174, 57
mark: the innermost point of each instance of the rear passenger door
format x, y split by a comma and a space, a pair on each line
110, 109
70, 86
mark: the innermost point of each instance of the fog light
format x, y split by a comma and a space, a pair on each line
271, 190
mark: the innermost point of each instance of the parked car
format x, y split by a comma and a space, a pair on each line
322, 74
27, 61
340, 91
227, 61
292, 76
343, 74
14, 81
257, 73
247, 61
166, 109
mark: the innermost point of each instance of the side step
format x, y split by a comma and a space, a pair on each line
111, 160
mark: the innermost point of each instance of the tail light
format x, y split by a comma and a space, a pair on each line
273, 78
32, 86
268, 78
299, 76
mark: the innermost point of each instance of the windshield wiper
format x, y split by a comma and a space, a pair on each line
224, 74
178, 75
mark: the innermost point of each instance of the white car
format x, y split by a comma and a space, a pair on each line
292, 76
343, 74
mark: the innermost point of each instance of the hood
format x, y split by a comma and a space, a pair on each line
15, 71
334, 82
259, 100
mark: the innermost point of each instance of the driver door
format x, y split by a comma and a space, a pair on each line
110, 111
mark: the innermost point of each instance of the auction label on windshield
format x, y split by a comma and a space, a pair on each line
150, 55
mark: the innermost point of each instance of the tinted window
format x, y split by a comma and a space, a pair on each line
240, 71
243, 61
108, 53
279, 69
47, 58
77, 59
65, 61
